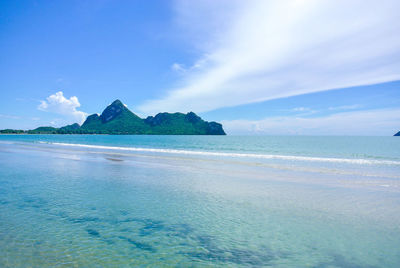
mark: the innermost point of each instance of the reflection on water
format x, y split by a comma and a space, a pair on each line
83, 208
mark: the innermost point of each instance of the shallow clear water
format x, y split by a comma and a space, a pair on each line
116, 203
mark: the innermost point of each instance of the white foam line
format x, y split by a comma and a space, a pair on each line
243, 155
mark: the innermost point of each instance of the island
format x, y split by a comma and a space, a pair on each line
119, 120
397, 134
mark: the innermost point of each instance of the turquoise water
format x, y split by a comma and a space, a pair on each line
199, 201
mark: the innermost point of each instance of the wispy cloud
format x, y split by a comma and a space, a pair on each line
301, 109
345, 107
58, 104
7, 116
254, 51
179, 68
56, 121
369, 122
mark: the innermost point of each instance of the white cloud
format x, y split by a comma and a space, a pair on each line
259, 50
368, 122
58, 104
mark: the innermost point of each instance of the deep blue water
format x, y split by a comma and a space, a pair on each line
199, 201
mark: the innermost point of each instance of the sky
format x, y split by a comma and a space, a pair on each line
260, 67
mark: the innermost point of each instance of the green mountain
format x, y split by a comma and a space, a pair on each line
397, 134
12, 131
182, 124
43, 130
71, 127
118, 119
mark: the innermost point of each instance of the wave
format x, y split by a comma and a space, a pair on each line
237, 155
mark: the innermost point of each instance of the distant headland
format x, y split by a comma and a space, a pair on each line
397, 134
119, 120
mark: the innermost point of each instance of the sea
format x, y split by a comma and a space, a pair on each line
199, 201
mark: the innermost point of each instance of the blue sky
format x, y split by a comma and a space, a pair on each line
296, 67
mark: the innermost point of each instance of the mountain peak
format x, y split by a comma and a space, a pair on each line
192, 117
112, 111
117, 102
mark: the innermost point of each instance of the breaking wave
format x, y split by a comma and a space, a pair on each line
236, 155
